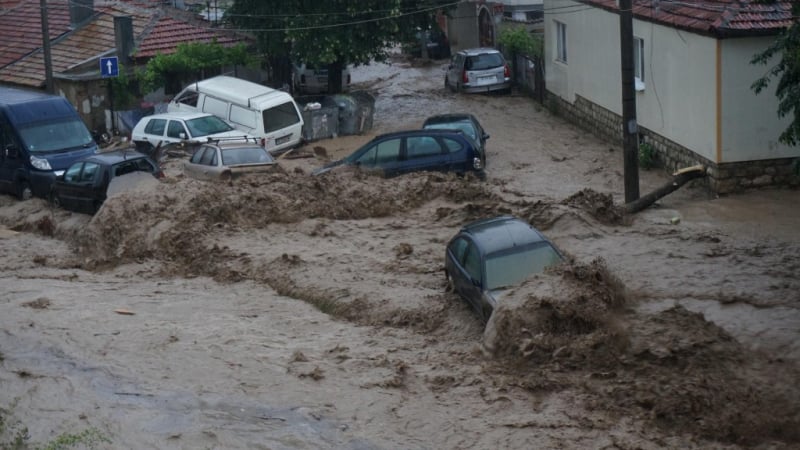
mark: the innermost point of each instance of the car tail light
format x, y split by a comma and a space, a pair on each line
160, 174
506, 71
477, 163
464, 77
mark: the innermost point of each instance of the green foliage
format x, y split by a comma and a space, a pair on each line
89, 438
124, 89
787, 73
324, 32
516, 39
647, 157
191, 60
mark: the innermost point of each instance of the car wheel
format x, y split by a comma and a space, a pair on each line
24, 191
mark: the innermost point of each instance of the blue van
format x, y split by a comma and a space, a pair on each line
40, 136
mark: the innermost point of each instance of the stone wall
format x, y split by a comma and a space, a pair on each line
722, 178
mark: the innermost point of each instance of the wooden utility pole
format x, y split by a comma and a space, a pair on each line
630, 132
48, 64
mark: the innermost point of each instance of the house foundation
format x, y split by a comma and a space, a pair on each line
723, 178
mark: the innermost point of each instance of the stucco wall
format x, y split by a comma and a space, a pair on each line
750, 122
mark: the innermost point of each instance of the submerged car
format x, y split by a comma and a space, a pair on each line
83, 186
401, 152
478, 70
162, 129
228, 159
490, 255
465, 122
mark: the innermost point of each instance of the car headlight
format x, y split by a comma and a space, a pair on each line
40, 163
477, 164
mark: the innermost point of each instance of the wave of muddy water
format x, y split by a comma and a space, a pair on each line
298, 312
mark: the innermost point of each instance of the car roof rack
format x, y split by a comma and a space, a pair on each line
245, 138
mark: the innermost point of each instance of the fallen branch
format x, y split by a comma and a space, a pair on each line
680, 178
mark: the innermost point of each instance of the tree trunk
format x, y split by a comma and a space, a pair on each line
335, 77
680, 178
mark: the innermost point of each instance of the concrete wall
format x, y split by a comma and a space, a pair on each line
750, 123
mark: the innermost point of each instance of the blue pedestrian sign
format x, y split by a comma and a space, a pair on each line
109, 67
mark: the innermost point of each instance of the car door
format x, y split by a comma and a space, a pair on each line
153, 132
176, 132
454, 70
76, 191
459, 154
383, 156
468, 276
424, 153
203, 165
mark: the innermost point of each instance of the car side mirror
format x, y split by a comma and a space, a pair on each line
485, 136
475, 282
182, 136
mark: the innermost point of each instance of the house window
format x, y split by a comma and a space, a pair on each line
561, 42
638, 62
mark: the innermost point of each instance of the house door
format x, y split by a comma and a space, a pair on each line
485, 28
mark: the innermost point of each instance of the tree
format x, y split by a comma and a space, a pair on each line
333, 33
787, 72
191, 61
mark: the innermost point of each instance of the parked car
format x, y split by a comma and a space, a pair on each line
402, 152
490, 255
478, 70
228, 159
310, 79
173, 127
465, 122
83, 186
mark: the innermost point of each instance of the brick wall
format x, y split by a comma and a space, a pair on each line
722, 178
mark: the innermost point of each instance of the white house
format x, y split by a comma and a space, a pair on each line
694, 101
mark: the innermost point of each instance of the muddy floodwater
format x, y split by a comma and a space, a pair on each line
287, 311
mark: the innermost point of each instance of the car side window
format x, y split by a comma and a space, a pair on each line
209, 155
387, 151
175, 129
90, 169
368, 157
197, 155
156, 126
189, 98
422, 146
472, 262
452, 145
458, 247
72, 175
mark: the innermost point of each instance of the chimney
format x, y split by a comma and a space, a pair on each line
123, 37
80, 11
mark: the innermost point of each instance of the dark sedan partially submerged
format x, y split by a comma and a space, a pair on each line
84, 185
488, 256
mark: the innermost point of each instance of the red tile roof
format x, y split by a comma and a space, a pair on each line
720, 18
21, 27
168, 33
78, 50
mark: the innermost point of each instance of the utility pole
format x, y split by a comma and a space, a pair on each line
630, 131
48, 65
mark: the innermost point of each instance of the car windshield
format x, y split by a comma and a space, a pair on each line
203, 126
245, 155
505, 269
464, 126
52, 136
484, 61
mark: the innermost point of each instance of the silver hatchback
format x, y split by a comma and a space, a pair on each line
478, 70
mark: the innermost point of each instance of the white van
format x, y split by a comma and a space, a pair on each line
266, 113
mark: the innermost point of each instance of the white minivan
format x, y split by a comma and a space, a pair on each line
269, 114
